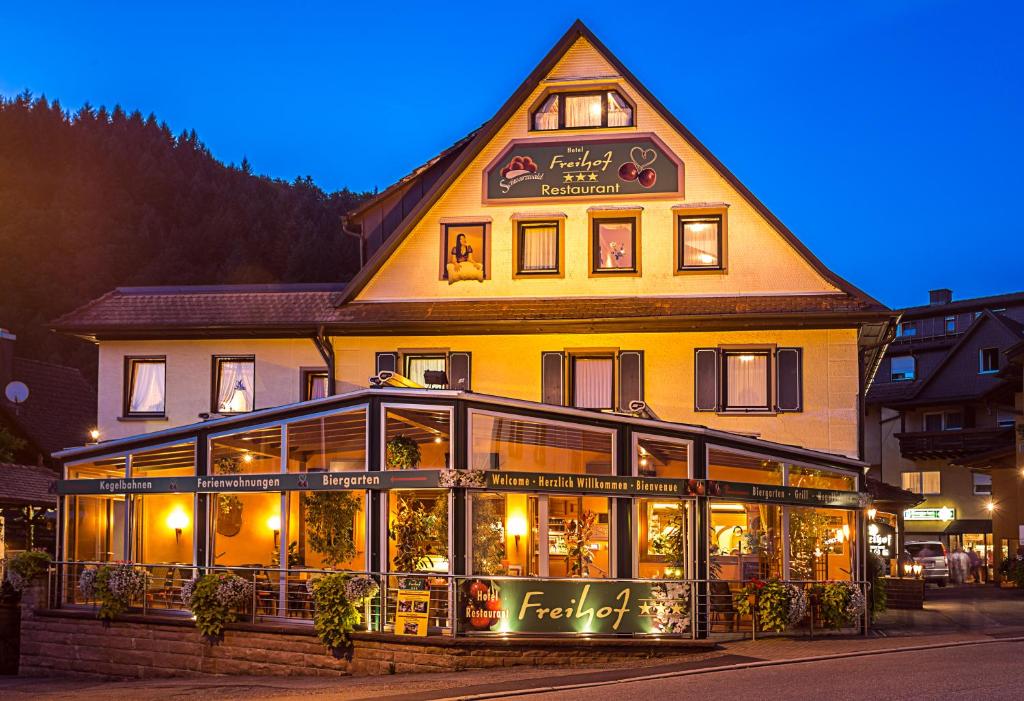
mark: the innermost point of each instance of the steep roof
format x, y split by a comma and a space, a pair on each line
962, 305
487, 132
60, 409
26, 484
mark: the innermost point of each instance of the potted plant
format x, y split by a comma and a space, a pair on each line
402, 453
578, 532
671, 542
841, 603
25, 568
777, 605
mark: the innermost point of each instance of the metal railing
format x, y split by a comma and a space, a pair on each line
699, 607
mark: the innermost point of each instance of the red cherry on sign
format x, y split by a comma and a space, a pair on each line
493, 605
481, 622
478, 590
647, 177
628, 171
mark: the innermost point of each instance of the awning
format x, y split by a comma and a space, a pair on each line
959, 526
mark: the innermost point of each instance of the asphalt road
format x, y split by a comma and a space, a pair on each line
990, 671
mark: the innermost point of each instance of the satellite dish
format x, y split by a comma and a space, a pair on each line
16, 391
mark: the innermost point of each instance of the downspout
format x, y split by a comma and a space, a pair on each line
326, 349
355, 234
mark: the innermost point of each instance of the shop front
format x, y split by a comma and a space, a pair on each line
476, 515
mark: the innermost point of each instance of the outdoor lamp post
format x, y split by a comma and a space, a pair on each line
917, 569
908, 568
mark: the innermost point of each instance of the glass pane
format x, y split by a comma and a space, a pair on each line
729, 466
335, 443
746, 541
911, 481
416, 438
147, 387
746, 380
327, 530
613, 248
539, 251
96, 528
577, 538
931, 482
98, 469
530, 445
582, 111
418, 531
820, 544
417, 365
236, 385
494, 523
253, 452
662, 458
620, 114
819, 479
664, 538
933, 422
902, 367
163, 528
172, 461
700, 244
954, 421
546, 117
246, 529
592, 383
316, 385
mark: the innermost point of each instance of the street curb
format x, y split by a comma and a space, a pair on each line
727, 668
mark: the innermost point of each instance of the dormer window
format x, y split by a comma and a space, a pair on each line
583, 110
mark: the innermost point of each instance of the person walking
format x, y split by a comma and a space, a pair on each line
976, 565
958, 566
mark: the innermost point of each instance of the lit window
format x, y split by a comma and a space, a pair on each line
988, 360
902, 368
315, 384
235, 391
538, 248
982, 484
747, 381
700, 243
583, 110
417, 367
614, 246
146, 394
924, 483
592, 383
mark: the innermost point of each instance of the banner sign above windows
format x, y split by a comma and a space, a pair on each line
545, 169
272, 482
797, 496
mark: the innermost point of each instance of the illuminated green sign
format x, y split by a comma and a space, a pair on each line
942, 513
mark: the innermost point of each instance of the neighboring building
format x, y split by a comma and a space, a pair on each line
939, 409
653, 275
1007, 469
58, 411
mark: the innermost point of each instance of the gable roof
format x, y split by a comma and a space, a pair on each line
60, 409
488, 131
963, 305
26, 484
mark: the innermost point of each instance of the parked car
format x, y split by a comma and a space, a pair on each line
931, 555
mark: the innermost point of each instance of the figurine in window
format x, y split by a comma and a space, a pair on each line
461, 265
616, 252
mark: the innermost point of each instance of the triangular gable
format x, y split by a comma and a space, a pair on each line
489, 131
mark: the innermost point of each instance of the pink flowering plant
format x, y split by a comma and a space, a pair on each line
114, 587
215, 600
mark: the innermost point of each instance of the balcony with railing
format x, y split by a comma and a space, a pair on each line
953, 445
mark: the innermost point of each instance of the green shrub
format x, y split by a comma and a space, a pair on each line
841, 603
337, 598
27, 566
214, 600
113, 587
402, 453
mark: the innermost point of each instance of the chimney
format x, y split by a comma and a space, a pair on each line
940, 297
7, 340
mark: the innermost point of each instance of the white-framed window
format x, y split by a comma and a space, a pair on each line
538, 249
234, 390
988, 361
927, 482
982, 484
906, 329
943, 421
417, 367
700, 243
902, 367
145, 386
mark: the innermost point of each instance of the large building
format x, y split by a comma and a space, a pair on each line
565, 287
941, 413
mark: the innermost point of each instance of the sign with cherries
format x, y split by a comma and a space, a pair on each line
543, 169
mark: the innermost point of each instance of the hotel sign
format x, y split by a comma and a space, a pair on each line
560, 606
544, 169
943, 513
272, 482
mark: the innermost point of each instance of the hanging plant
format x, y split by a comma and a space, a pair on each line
338, 599
841, 603
229, 506
402, 453
25, 567
778, 605
215, 600
330, 525
578, 532
113, 587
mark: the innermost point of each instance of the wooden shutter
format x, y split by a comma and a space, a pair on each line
705, 381
789, 379
387, 361
459, 363
552, 377
631, 378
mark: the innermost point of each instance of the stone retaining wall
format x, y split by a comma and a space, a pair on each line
74, 643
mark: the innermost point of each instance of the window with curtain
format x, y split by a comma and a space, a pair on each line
746, 380
147, 387
538, 248
924, 483
417, 365
315, 385
236, 385
700, 242
592, 383
614, 245
583, 110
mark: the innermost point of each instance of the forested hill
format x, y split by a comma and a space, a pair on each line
98, 199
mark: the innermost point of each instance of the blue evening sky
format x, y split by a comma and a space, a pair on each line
885, 133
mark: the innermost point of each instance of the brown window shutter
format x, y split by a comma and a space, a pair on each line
387, 361
705, 383
631, 378
789, 379
552, 370
459, 364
